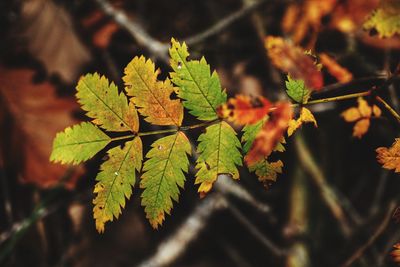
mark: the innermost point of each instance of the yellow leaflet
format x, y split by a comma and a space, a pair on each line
151, 96
105, 105
361, 115
390, 157
163, 175
115, 181
305, 116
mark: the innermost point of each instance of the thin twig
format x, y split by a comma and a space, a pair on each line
327, 193
227, 186
379, 230
277, 251
176, 244
224, 23
389, 108
298, 223
159, 49
155, 47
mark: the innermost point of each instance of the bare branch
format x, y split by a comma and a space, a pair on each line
327, 193
224, 23
255, 232
155, 47
159, 49
379, 230
226, 186
174, 246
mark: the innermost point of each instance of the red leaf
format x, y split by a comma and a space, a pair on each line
271, 133
243, 110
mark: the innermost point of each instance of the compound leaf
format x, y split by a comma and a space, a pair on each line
150, 95
115, 181
163, 175
218, 154
200, 90
102, 102
390, 157
78, 143
361, 115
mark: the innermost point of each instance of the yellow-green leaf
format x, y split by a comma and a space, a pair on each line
108, 108
200, 90
385, 19
115, 181
78, 143
305, 116
218, 154
297, 90
267, 172
163, 175
150, 95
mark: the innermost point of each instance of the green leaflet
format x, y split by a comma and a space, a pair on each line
267, 172
200, 90
78, 143
115, 181
218, 153
250, 132
150, 95
105, 105
297, 90
163, 175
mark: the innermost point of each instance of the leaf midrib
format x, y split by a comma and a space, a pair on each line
116, 114
152, 94
164, 169
195, 82
115, 176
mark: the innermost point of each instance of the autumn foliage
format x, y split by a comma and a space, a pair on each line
291, 113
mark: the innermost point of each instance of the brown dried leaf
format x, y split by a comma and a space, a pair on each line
37, 114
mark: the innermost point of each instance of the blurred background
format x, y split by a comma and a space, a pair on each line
333, 205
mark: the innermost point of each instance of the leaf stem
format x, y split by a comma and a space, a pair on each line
336, 98
389, 108
123, 137
174, 130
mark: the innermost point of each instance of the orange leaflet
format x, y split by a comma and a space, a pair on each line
396, 253
294, 61
361, 115
390, 157
337, 71
245, 110
303, 18
270, 134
